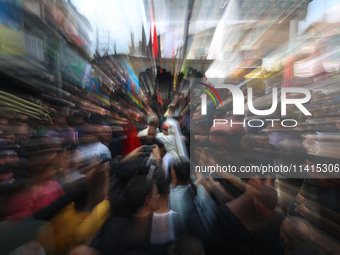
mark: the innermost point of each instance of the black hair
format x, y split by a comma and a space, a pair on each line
136, 192
125, 169
178, 117
188, 245
182, 171
162, 182
154, 141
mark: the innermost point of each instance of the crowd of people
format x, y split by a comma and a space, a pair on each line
86, 186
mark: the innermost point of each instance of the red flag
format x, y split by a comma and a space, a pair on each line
155, 43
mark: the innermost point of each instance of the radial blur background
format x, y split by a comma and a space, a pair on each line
81, 72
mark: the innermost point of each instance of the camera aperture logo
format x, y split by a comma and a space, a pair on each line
212, 97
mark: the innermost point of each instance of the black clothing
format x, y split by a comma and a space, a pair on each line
231, 237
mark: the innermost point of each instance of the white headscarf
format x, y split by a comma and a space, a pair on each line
173, 142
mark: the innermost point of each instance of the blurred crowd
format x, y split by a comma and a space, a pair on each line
68, 184
97, 154
85, 185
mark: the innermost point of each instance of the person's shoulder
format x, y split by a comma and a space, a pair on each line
180, 190
143, 132
160, 134
102, 146
113, 236
117, 226
168, 156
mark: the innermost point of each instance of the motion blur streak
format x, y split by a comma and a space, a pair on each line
104, 116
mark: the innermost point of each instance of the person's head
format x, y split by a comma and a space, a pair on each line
181, 171
3, 121
162, 148
294, 231
163, 183
141, 193
172, 110
265, 196
89, 134
76, 119
83, 250
8, 155
98, 184
165, 129
291, 152
22, 132
150, 138
175, 98
218, 139
179, 118
158, 143
262, 138
153, 120
41, 153
151, 132
8, 135
105, 134
146, 100
248, 142
30, 247
59, 119
226, 136
63, 159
